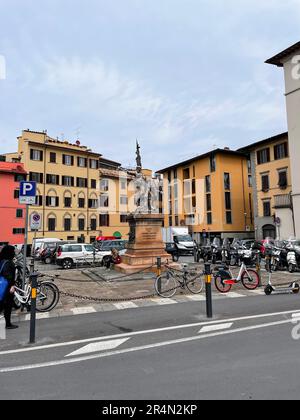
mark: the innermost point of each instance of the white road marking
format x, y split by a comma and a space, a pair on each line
196, 298
43, 316
157, 330
164, 301
84, 310
100, 346
257, 292
125, 305
217, 327
140, 348
234, 295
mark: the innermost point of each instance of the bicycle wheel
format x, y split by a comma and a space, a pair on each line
195, 284
250, 279
46, 298
221, 286
165, 285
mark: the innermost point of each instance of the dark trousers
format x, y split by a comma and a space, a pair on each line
6, 306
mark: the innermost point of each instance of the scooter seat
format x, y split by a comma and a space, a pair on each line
221, 267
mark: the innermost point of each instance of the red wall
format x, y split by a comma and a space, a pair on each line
8, 208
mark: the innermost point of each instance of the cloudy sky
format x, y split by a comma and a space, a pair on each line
182, 76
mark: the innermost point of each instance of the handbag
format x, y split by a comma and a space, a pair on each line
3, 283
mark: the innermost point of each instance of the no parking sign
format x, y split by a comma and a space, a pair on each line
35, 221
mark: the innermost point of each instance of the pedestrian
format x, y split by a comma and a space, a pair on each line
8, 271
114, 258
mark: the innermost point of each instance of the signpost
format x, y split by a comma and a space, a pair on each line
28, 197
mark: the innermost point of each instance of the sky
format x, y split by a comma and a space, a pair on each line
181, 76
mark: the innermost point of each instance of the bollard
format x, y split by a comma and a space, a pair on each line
208, 277
33, 280
159, 273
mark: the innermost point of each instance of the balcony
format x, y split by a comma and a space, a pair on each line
283, 201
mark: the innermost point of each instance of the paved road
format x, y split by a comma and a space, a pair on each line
246, 351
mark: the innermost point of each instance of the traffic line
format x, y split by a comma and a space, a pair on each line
125, 305
100, 346
82, 311
234, 295
164, 301
141, 348
196, 298
218, 327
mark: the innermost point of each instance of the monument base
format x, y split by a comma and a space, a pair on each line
145, 245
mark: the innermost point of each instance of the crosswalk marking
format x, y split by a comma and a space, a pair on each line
125, 305
100, 346
234, 295
164, 301
82, 311
196, 297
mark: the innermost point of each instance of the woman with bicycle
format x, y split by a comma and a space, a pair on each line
8, 271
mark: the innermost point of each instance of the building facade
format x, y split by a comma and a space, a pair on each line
12, 220
211, 194
272, 187
289, 60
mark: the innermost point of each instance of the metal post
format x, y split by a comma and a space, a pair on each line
258, 268
159, 273
25, 247
33, 280
208, 277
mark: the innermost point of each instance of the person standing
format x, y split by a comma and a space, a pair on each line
8, 271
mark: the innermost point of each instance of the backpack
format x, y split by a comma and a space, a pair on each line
3, 283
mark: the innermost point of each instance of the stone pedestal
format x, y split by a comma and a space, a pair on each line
145, 244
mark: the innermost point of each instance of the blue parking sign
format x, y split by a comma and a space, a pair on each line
27, 192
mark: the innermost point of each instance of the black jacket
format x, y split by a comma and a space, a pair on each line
9, 272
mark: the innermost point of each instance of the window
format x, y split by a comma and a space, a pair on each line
228, 217
52, 201
208, 202
104, 220
68, 202
267, 208
52, 157
93, 224
123, 218
250, 183
123, 185
249, 165
93, 183
104, 185
104, 202
175, 174
82, 162
39, 200
16, 194
81, 223
82, 182
20, 177
36, 155
226, 181
18, 231
52, 179
81, 203
283, 180
36, 177
67, 224
68, 181
186, 173
209, 218
19, 213
208, 183
281, 151
93, 203
194, 171
263, 156
170, 220
176, 221
193, 186
123, 199
94, 164
265, 182
51, 224
68, 160
228, 200
212, 163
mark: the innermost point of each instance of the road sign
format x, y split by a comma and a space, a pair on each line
27, 192
35, 221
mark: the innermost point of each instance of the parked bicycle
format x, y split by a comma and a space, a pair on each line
167, 284
224, 279
47, 296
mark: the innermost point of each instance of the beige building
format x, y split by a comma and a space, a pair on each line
289, 60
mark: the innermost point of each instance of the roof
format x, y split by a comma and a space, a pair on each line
278, 58
205, 155
14, 168
115, 173
263, 142
109, 162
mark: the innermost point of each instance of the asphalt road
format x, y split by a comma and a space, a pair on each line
171, 352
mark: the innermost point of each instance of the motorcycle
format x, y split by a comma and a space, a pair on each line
293, 256
279, 255
226, 252
216, 250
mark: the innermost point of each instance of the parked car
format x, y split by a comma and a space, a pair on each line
104, 248
69, 255
49, 252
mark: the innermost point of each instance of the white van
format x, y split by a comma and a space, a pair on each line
39, 244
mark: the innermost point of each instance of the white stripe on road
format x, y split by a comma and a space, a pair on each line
84, 310
125, 305
140, 348
164, 301
157, 330
233, 295
196, 298
96, 347
218, 327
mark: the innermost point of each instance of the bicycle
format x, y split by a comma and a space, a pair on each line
47, 296
224, 279
168, 282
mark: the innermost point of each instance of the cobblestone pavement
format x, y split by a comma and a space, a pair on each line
119, 292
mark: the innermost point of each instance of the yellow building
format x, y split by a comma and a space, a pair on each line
272, 187
211, 194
